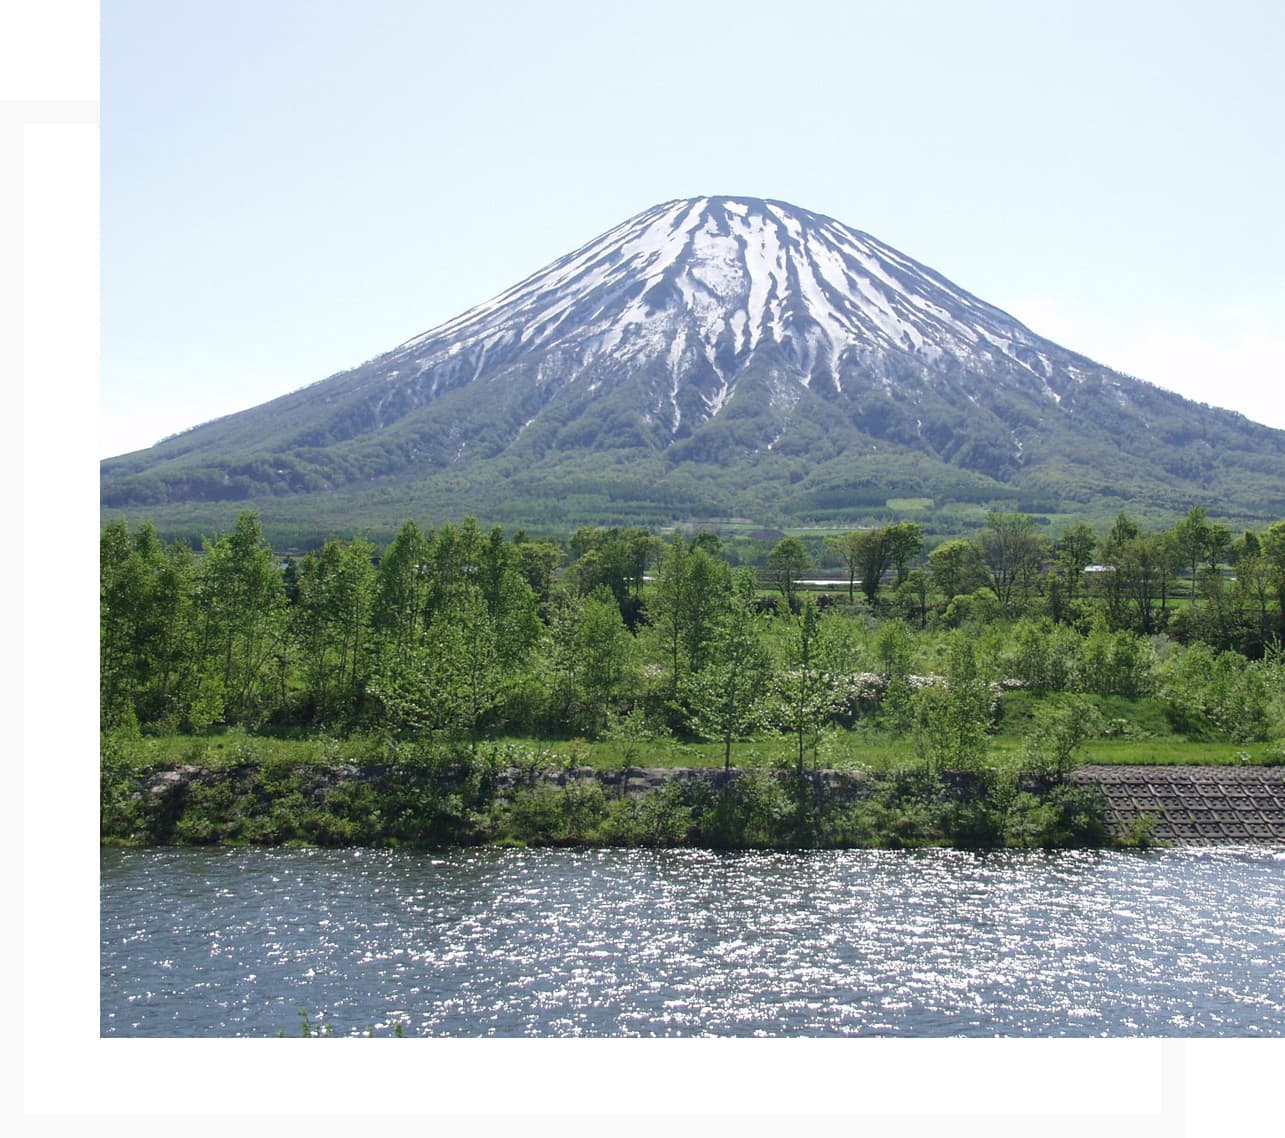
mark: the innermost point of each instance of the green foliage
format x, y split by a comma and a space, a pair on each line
952, 719
1067, 815
447, 640
727, 696
241, 621
1013, 551
958, 566
807, 691
1114, 663
787, 562
1219, 695
1058, 730
593, 657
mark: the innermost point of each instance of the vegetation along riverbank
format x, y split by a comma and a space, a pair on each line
456, 686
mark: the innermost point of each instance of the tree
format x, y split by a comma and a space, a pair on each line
1123, 530
145, 625
616, 558
873, 555
471, 652
536, 562
401, 590
1141, 568
446, 679
848, 547
805, 687
1272, 542
913, 593
787, 563
1191, 538
1253, 595
952, 719
1057, 732
957, 566
593, 657
241, 602
903, 543
468, 675
1074, 552
332, 616
691, 590
727, 694
1013, 551
1218, 546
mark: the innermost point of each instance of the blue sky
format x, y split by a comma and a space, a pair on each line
290, 188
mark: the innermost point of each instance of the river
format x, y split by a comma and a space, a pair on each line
562, 942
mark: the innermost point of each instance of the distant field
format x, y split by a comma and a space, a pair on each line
910, 503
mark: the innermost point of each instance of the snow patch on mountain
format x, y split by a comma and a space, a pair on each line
716, 280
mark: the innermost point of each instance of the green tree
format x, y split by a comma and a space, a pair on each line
957, 566
1058, 729
952, 718
593, 658
401, 590
691, 590
787, 562
904, 542
1074, 552
241, 605
874, 552
848, 547
913, 593
616, 558
332, 618
145, 633
1191, 538
727, 694
536, 562
1013, 551
1272, 542
806, 689
467, 676
1220, 542
1143, 568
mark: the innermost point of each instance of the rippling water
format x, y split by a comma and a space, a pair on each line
690, 942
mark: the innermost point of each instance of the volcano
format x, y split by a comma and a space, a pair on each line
714, 357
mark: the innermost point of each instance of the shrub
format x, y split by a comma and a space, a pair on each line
1059, 727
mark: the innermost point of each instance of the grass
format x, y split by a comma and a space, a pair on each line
864, 747
1175, 750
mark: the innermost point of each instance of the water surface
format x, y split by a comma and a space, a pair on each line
691, 942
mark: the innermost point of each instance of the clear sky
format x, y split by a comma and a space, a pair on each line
290, 188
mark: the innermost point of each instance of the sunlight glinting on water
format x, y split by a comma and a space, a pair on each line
690, 942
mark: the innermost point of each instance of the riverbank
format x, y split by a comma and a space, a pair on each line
430, 797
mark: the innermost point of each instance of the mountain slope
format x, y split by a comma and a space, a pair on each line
718, 356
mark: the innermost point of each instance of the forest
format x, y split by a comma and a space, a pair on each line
461, 634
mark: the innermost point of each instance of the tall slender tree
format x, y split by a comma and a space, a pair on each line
727, 693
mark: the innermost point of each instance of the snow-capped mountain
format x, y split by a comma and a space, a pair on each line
688, 292
728, 333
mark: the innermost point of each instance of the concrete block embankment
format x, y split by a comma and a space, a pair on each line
1193, 806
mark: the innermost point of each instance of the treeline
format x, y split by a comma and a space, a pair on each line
458, 633
1196, 581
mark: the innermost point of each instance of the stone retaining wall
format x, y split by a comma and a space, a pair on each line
1173, 805
638, 781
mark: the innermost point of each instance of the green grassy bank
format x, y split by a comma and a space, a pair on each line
364, 792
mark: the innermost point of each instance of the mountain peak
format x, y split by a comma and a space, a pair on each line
719, 278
